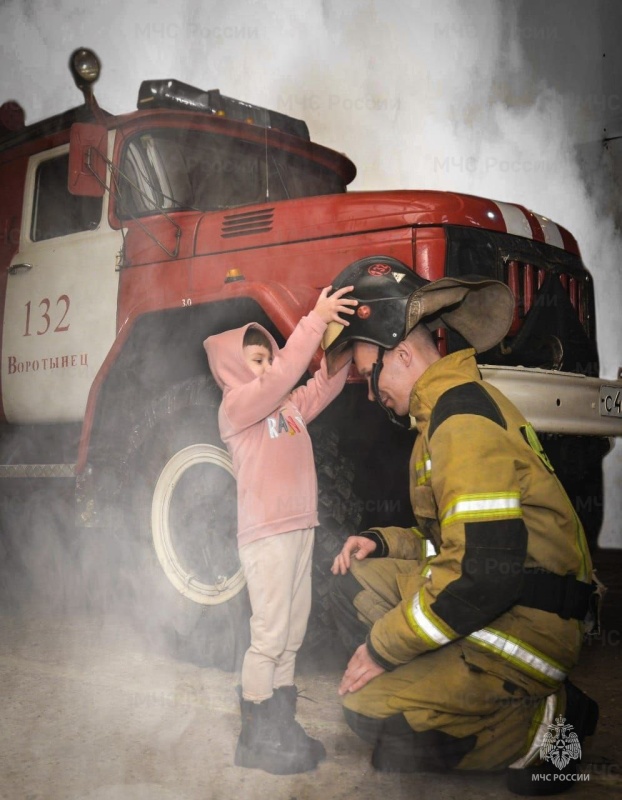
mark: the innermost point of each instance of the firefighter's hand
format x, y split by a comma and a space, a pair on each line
361, 670
358, 547
330, 307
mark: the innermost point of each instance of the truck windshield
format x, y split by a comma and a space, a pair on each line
174, 169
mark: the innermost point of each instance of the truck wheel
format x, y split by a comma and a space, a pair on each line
339, 511
191, 594
184, 511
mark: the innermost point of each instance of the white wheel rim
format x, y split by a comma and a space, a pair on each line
186, 582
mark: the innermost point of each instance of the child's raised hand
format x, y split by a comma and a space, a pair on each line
329, 307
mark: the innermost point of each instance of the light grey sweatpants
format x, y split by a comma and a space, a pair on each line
278, 573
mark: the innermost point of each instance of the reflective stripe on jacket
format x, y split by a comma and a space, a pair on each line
485, 494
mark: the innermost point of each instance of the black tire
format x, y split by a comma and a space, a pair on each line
578, 463
190, 593
339, 512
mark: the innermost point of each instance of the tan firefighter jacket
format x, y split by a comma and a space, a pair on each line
493, 521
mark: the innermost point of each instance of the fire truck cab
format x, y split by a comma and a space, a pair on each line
126, 240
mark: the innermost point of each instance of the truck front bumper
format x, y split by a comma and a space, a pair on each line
561, 402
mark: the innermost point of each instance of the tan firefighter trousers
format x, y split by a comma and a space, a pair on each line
458, 690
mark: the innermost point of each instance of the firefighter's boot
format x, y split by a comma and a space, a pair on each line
291, 729
398, 748
263, 745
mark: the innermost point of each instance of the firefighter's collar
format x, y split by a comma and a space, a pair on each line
452, 370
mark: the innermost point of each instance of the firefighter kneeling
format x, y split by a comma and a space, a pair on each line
464, 628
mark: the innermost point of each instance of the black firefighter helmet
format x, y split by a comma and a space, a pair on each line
392, 300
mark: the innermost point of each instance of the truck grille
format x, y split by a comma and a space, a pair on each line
525, 279
553, 323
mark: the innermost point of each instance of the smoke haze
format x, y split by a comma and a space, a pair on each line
482, 97
502, 99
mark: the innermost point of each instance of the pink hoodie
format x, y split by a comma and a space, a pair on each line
264, 425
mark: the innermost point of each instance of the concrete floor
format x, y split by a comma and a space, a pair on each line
91, 712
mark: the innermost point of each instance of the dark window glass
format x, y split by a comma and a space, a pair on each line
56, 211
172, 169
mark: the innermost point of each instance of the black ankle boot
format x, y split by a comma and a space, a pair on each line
263, 745
581, 711
291, 729
398, 748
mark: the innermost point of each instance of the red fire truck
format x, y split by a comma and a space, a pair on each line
126, 240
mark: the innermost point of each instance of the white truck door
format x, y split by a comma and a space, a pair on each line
61, 299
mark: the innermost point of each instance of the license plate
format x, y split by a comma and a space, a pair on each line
610, 401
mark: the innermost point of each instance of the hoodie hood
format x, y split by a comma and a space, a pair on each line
225, 355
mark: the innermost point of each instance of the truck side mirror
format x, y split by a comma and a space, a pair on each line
87, 159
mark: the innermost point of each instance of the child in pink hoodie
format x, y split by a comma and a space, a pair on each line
263, 421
